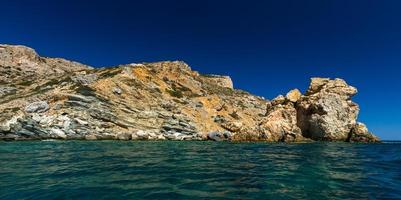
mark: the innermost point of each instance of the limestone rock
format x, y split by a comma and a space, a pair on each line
4, 90
360, 133
21, 64
178, 127
85, 79
326, 111
280, 99
294, 95
222, 81
280, 124
6, 126
316, 85
117, 90
90, 137
124, 136
58, 133
327, 86
233, 126
17, 54
218, 136
161, 101
81, 122
146, 135
37, 107
142, 135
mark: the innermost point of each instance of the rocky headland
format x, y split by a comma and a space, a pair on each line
53, 98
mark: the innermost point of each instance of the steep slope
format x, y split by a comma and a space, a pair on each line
43, 98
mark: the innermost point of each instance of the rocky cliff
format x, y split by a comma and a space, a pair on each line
52, 98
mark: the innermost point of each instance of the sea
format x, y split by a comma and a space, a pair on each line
199, 170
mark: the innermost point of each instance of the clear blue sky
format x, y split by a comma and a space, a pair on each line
267, 47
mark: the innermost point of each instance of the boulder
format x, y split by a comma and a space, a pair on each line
360, 133
124, 136
219, 136
175, 136
161, 137
232, 126
140, 135
117, 91
216, 136
294, 95
90, 137
58, 133
81, 122
37, 107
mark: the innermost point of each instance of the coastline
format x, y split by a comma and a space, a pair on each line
53, 98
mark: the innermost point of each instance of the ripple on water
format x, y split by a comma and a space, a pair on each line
198, 170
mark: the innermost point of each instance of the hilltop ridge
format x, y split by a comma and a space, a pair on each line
53, 98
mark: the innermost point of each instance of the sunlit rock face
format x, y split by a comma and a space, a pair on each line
326, 111
45, 98
280, 124
360, 133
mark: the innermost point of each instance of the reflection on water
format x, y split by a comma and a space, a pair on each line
203, 170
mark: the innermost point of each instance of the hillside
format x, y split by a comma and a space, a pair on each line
52, 98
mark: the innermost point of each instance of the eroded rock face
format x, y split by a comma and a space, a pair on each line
23, 64
360, 133
326, 112
84, 79
222, 81
280, 124
14, 54
54, 98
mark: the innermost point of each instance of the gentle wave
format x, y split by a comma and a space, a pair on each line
198, 170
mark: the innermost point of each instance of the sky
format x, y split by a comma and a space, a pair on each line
267, 47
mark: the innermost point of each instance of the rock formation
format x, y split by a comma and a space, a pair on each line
52, 98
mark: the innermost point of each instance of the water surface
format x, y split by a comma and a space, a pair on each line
198, 170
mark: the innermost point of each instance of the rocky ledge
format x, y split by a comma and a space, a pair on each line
52, 98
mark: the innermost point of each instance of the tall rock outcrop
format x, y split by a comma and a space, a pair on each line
326, 111
45, 98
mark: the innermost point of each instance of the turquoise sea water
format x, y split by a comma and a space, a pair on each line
198, 170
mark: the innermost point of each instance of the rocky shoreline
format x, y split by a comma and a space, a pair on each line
52, 98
